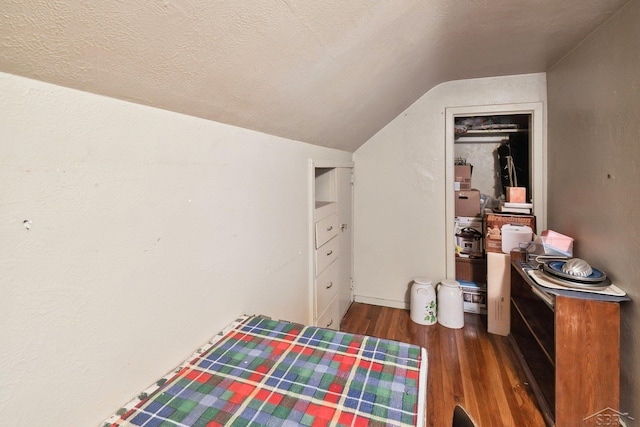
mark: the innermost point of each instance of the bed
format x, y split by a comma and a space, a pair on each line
260, 371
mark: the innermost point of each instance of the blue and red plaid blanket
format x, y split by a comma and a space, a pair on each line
273, 373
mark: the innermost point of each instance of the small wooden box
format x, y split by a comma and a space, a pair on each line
471, 270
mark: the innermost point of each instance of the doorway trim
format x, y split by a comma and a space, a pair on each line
538, 163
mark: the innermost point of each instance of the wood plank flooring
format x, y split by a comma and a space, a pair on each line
467, 366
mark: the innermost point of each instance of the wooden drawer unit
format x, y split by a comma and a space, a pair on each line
471, 269
569, 348
326, 288
326, 229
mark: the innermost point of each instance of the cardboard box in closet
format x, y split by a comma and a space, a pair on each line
468, 203
474, 297
516, 194
498, 293
493, 228
462, 175
468, 233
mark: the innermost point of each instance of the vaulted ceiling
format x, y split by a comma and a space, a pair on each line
326, 72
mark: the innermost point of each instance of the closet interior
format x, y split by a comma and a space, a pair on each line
492, 159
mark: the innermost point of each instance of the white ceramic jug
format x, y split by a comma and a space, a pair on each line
423, 301
450, 304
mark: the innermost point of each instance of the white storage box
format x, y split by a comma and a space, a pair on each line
474, 296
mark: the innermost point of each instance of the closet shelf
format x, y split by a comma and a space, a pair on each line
487, 135
493, 131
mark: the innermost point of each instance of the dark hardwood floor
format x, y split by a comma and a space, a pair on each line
467, 366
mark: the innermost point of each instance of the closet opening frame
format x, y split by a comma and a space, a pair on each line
538, 163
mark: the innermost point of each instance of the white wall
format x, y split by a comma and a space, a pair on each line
150, 231
594, 159
399, 212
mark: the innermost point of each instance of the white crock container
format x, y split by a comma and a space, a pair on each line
450, 304
423, 301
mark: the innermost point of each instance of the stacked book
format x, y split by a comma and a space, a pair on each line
521, 208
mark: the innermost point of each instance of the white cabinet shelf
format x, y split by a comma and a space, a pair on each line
325, 248
324, 209
330, 234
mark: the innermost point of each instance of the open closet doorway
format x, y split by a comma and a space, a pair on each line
504, 143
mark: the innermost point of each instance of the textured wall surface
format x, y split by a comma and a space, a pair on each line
485, 163
147, 231
594, 164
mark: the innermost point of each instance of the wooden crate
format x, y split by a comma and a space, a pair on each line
472, 270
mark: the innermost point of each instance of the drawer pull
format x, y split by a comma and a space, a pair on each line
330, 228
330, 285
329, 324
329, 253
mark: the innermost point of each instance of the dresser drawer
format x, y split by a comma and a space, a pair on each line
331, 317
326, 229
325, 255
326, 288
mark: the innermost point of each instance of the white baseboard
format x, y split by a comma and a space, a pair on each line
381, 301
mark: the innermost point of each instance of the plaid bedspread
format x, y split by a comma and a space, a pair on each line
273, 373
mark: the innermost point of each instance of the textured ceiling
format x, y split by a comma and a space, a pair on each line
326, 72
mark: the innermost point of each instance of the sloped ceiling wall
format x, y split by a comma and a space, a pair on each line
327, 72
